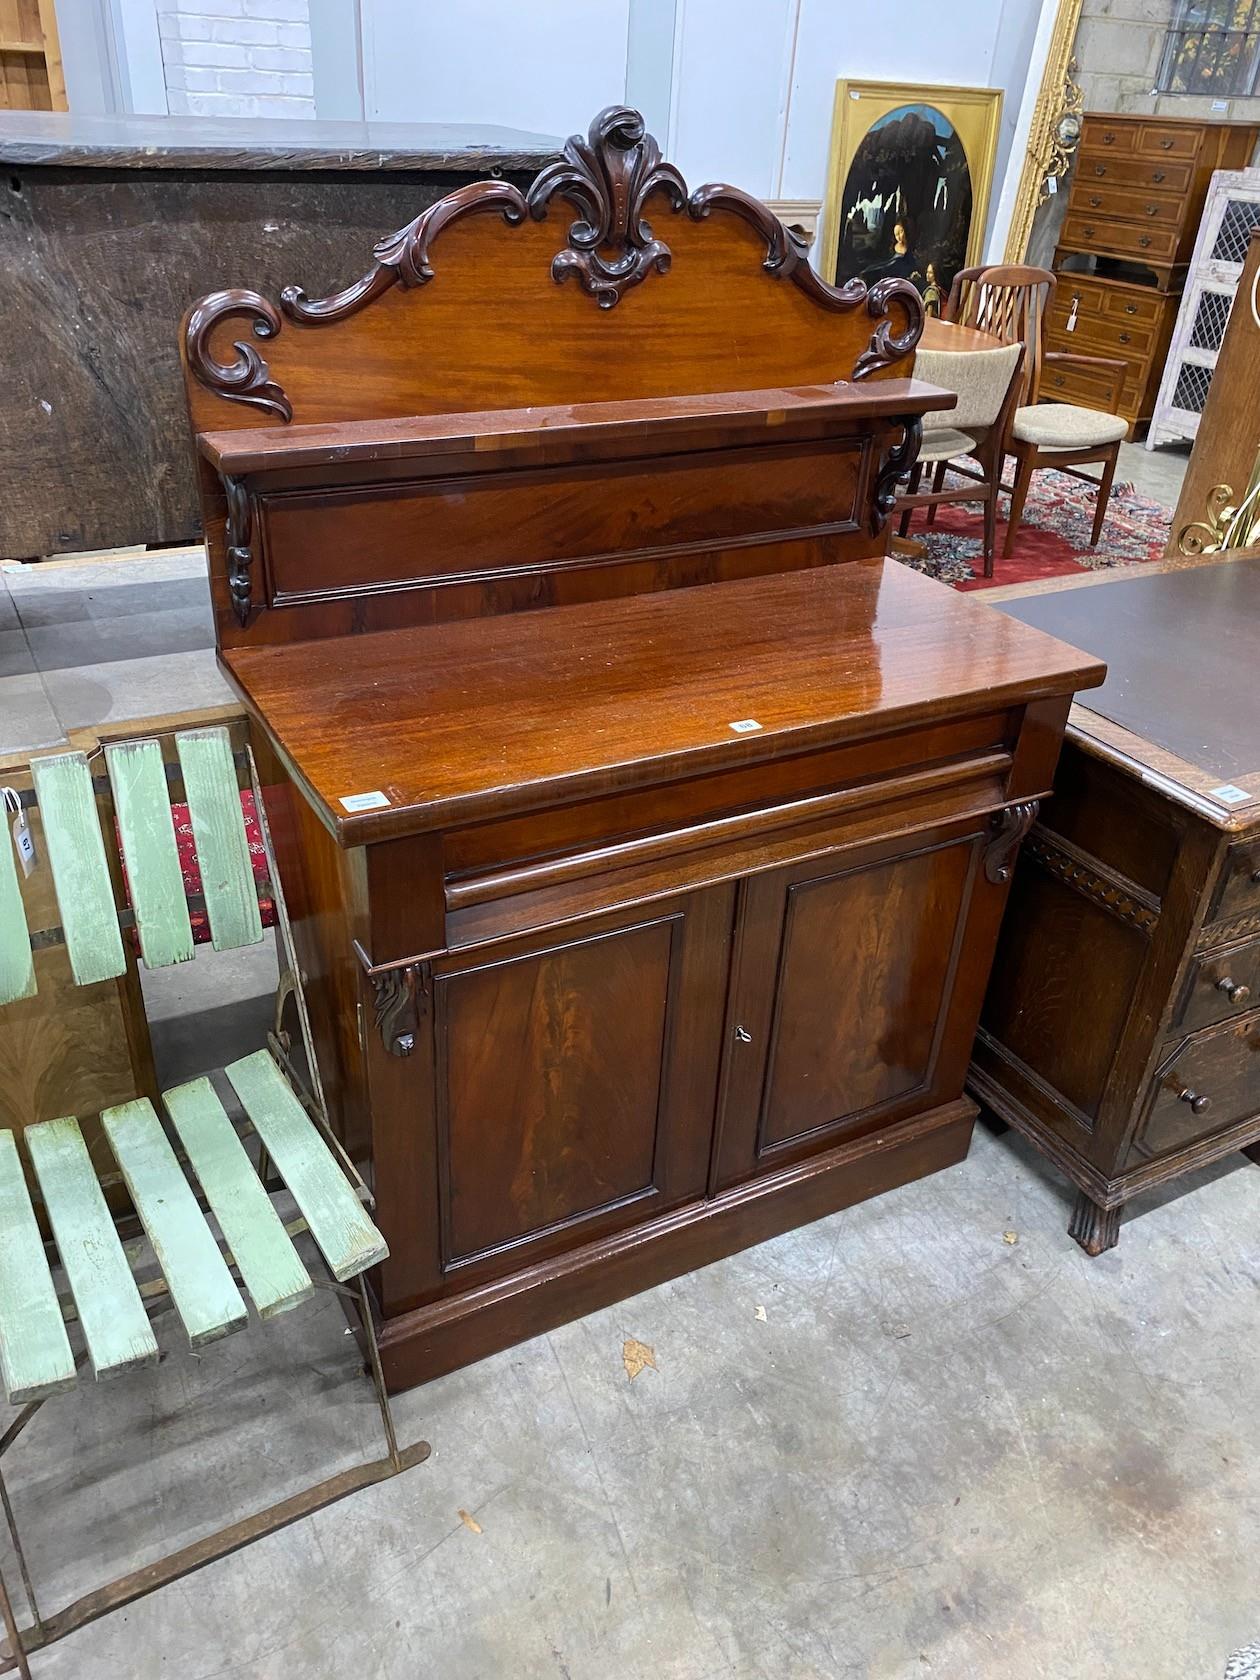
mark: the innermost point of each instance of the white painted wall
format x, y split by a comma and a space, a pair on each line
546, 65
237, 58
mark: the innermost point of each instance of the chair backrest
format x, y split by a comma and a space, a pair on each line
78, 812
981, 378
1008, 300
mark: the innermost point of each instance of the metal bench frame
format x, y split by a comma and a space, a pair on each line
156, 1296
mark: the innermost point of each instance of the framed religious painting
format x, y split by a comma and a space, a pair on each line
908, 182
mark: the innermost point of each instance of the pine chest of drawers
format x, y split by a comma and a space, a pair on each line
1121, 1031
1137, 195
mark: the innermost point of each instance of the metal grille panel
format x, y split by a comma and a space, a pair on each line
1192, 387
1240, 218
1209, 320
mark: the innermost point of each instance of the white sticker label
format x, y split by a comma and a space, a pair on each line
24, 840
365, 801
745, 726
1052, 183
1228, 794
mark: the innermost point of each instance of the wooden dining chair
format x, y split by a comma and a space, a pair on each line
1009, 301
988, 384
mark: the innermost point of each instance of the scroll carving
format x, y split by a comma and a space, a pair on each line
247, 379
886, 346
394, 1009
897, 465
402, 258
608, 178
1009, 828
240, 552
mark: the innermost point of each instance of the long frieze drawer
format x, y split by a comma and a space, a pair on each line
1130, 204
321, 544
1221, 985
1140, 172
1097, 134
1204, 1085
1238, 889
1077, 385
1084, 232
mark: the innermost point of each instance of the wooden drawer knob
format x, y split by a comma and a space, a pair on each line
1198, 1104
1232, 990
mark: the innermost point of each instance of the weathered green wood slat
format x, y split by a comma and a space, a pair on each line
35, 1356
17, 967
265, 1255
347, 1238
201, 1286
115, 1325
214, 805
142, 803
85, 894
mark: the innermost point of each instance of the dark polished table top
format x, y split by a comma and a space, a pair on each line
1182, 650
63, 138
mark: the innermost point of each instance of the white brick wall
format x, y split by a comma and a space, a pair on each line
237, 58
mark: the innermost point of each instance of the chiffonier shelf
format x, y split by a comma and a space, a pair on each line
645, 830
1138, 191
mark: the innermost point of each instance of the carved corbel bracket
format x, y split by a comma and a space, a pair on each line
240, 549
394, 1008
897, 464
1009, 828
247, 379
886, 346
608, 178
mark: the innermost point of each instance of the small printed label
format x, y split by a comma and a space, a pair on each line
745, 726
365, 801
1228, 794
24, 840
1052, 183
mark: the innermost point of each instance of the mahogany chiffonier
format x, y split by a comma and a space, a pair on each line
1138, 190
645, 829
1121, 1033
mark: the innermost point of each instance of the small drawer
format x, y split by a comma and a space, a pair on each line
1089, 388
1126, 306
1130, 204
1097, 334
1131, 172
1238, 888
1113, 138
1100, 234
1206, 1084
1169, 140
1221, 986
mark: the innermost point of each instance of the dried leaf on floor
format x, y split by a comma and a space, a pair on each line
469, 1521
759, 1313
1011, 1237
637, 1356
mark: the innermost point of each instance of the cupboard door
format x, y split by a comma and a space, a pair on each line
845, 991
575, 1079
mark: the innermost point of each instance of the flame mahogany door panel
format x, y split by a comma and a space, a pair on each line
847, 1007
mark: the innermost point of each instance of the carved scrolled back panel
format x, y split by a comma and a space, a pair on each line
605, 282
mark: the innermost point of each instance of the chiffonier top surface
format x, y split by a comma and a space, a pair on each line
1181, 652
462, 721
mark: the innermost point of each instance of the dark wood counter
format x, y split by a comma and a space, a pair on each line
1121, 1031
106, 218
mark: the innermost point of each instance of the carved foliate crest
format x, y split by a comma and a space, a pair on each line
608, 178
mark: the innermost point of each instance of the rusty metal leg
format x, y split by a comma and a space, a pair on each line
378, 1376
28, 1588
17, 1651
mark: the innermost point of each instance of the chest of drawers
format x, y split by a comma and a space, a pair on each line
1137, 195
1121, 1031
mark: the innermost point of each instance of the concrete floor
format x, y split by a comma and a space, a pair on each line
926, 1436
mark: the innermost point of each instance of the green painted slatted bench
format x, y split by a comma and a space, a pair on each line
209, 1236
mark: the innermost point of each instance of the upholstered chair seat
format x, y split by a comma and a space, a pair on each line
1055, 425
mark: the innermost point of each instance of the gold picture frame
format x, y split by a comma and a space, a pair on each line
971, 116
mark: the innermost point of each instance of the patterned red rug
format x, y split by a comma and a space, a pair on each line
1053, 535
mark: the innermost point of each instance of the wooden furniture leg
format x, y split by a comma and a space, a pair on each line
1104, 493
1095, 1228
938, 483
1025, 462
916, 478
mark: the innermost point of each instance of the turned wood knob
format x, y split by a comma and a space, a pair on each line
1233, 991
1198, 1104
